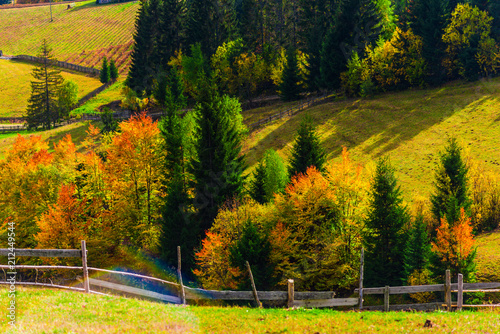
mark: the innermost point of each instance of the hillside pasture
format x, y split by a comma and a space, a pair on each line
17, 88
82, 35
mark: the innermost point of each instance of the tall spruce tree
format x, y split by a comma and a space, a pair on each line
385, 239
105, 73
428, 18
451, 184
270, 177
177, 226
170, 27
306, 150
43, 103
141, 73
290, 86
257, 185
113, 71
200, 26
219, 165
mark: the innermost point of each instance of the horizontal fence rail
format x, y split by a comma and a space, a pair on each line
62, 64
42, 252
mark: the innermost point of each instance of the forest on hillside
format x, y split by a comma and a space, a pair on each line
152, 186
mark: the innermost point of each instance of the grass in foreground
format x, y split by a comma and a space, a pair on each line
14, 95
52, 311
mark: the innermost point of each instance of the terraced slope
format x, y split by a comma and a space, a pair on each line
81, 35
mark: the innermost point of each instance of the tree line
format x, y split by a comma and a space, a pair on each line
360, 46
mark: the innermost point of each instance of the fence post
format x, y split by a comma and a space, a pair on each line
291, 293
386, 299
181, 292
447, 290
84, 265
361, 270
254, 289
460, 298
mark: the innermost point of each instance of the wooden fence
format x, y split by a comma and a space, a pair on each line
291, 111
63, 64
291, 298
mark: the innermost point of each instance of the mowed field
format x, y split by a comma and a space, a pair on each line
81, 35
410, 127
16, 86
52, 311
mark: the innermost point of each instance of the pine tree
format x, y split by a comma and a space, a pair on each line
113, 71
105, 73
428, 18
451, 192
199, 21
140, 74
169, 31
290, 87
43, 103
177, 226
219, 165
307, 150
257, 186
386, 220
418, 249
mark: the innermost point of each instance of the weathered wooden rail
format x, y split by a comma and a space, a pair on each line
290, 112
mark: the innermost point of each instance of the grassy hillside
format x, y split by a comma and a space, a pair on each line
81, 35
14, 95
411, 127
51, 311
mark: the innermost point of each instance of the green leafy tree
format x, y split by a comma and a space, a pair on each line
306, 150
113, 71
270, 177
253, 246
43, 104
104, 76
67, 97
451, 185
385, 240
290, 86
219, 165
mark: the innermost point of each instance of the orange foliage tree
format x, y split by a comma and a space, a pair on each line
133, 179
454, 247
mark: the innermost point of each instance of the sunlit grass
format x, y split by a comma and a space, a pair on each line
52, 311
15, 94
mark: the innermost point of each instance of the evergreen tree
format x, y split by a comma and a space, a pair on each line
428, 18
254, 247
113, 71
219, 165
386, 220
169, 31
104, 76
43, 109
200, 26
257, 186
451, 192
140, 75
306, 150
177, 226
249, 21
290, 87
418, 249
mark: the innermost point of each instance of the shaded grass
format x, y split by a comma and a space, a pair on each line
50, 311
111, 94
14, 95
